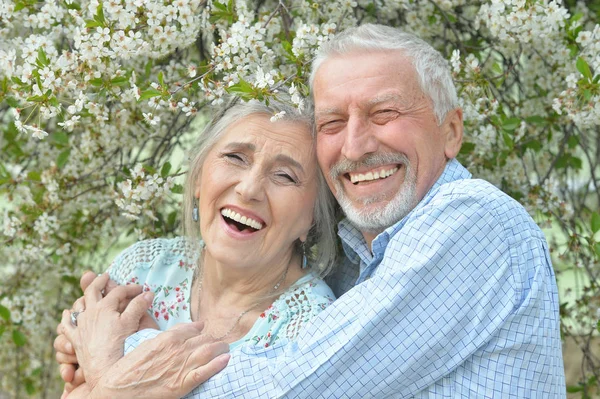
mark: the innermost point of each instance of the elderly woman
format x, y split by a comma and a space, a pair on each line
256, 197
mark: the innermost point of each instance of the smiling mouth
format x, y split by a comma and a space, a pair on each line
370, 176
239, 222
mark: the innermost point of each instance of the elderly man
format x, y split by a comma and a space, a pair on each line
447, 289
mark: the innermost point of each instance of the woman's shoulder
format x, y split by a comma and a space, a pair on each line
152, 254
300, 303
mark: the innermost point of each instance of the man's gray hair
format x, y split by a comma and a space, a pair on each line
432, 68
321, 241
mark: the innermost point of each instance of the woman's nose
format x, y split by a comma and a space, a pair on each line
250, 187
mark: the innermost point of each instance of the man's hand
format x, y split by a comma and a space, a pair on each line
167, 366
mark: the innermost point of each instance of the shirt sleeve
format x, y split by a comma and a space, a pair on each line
449, 292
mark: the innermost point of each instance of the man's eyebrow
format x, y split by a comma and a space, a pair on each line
282, 158
394, 97
327, 111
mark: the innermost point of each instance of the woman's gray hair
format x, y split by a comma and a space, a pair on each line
320, 245
432, 68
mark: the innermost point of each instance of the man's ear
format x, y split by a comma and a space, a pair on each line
453, 132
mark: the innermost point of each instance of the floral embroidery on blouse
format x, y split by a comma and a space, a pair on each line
166, 267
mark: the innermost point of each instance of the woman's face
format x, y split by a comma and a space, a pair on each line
257, 190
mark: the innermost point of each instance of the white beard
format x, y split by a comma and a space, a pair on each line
368, 217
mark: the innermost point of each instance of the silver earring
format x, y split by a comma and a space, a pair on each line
195, 216
304, 259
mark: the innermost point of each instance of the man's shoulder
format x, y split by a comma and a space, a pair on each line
463, 197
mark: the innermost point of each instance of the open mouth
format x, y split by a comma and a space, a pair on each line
239, 222
376, 174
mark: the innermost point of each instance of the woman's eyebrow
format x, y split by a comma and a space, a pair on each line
286, 159
240, 146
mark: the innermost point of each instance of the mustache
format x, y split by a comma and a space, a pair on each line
373, 160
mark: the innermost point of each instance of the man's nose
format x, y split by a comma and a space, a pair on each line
359, 139
250, 186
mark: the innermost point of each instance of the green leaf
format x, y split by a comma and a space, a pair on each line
511, 124
99, 13
535, 145
35, 176
508, 140
119, 81
574, 388
2, 329
242, 89
535, 120
598, 326
573, 141
164, 171
4, 313
42, 59
60, 138
584, 68
149, 169
595, 222
177, 189
12, 102
467, 148
161, 77
91, 23
19, 338
97, 82
29, 387
597, 249
72, 6
146, 94
19, 5
71, 280
63, 157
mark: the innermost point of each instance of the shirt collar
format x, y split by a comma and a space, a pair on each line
353, 242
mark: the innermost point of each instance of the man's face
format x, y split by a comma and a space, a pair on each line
378, 141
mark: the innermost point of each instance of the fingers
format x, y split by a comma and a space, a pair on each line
201, 374
93, 293
65, 358
112, 284
79, 305
120, 294
79, 378
62, 344
147, 322
67, 327
67, 372
138, 306
86, 279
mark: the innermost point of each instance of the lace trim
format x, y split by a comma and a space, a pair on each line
145, 254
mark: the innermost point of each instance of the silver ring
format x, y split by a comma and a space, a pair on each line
74, 315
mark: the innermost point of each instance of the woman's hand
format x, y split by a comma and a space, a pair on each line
167, 366
101, 329
65, 354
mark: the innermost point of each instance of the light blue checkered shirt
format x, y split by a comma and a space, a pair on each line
458, 299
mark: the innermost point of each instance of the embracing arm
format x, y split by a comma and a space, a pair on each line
434, 307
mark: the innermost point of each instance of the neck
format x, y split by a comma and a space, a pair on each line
231, 286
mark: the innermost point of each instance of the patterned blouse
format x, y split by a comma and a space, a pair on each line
166, 267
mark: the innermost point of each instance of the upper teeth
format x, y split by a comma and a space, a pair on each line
241, 219
356, 177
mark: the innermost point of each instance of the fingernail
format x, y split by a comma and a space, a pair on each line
62, 374
224, 357
69, 347
149, 296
